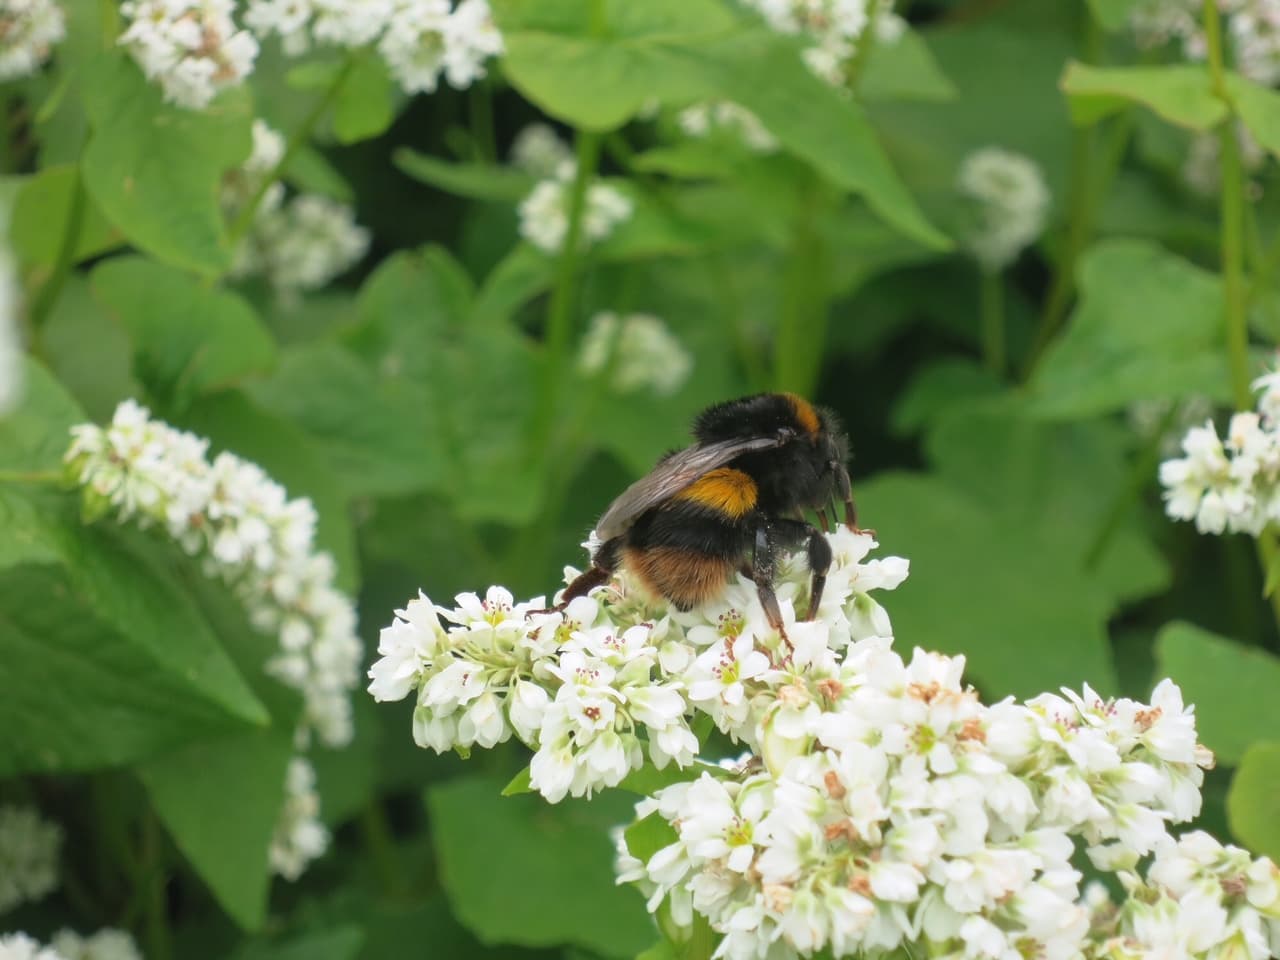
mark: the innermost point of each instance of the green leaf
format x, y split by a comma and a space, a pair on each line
522, 782
365, 103
648, 780
35, 436
41, 213
1113, 15
533, 873
115, 663
904, 69
154, 169
233, 422
476, 181
1253, 805
1148, 326
188, 339
337, 943
230, 853
1179, 93
648, 835
599, 79
1259, 110
1233, 687
89, 351
370, 429
677, 51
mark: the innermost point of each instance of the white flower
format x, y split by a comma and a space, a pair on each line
29, 851
426, 39
701, 119
406, 648
19, 946
303, 244
299, 837
192, 48
544, 213
28, 30
106, 944
538, 150
250, 535
835, 28
1010, 203
637, 351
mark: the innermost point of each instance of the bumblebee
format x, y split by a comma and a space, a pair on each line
729, 503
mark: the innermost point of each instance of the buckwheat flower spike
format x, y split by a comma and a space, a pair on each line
247, 532
305, 243
835, 28
28, 31
1232, 483
427, 39
29, 850
538, 149
19, 946
299, 837
701, 119
192, 48
639, 352
1009, 204
106, 944
544, 214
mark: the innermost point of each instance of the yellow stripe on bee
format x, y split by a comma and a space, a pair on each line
806, 416
724, 490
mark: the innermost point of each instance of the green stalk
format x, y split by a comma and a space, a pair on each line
802, 328
302, 133
560, 310
1233, 244
159, 941
862, 53
31, 476
483, 139
47, 298
991, 303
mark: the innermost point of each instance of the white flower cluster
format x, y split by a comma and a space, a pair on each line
538, 149
106, 944
701, 119
896, 811
418, 39
1233, 484
248, 533
192, 48
834, 26
1009, 204
584, 686
29, 850
297, 245
28, 30
1252, 29
638, 352
299, 837
19, 946
1202, 170
1198, 899
544, 214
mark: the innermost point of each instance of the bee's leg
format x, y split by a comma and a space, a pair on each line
845, 493
596, 575
762, 571
819, 554
822, 518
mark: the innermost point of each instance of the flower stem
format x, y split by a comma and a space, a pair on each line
31, 476
47, 298
301, 134
991, 308
560, 310
866, 44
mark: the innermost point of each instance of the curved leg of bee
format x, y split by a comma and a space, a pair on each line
596, 575
818, 550
762, 571
822, 518
845, 492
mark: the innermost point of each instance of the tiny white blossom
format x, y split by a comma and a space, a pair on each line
29, 851
299, 836
538, 150
303, 244
1009, 204
105, 944
28, 31
638, 351
19, 946
544, 213
192, 48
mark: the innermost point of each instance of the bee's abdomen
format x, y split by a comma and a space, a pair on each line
684, 577
725, 491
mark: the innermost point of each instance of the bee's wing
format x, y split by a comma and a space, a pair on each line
670, 477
